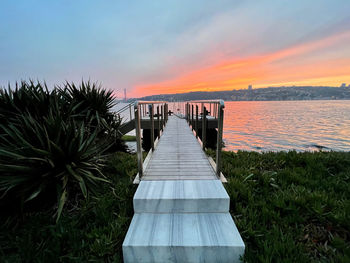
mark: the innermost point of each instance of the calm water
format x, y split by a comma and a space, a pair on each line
287, 125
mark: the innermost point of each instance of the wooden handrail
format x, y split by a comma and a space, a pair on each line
141, 110
192, 114
216, 108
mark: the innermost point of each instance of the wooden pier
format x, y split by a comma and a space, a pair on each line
181, 207
178, 155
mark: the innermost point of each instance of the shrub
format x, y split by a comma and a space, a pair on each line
92, 104
89, 100
93, 232
52, 143
32, 98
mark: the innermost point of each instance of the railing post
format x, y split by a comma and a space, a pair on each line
219, 137
166, 112
186, 110
158, 119
162, 113
192, 117
197, 121
204, 128
130, 112
188, 113
152, 126
138, 139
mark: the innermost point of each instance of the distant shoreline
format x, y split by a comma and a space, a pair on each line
287, 100
135, 99
292, 93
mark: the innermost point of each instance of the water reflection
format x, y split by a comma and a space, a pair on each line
287, 125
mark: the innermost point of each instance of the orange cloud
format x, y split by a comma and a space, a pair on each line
276, 68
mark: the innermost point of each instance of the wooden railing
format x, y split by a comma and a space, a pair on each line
123, 116
194, 112
146, 109
214, 109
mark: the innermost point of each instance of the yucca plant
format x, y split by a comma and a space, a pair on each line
28, 97
52, 143
55, 153
89, 100
92, 104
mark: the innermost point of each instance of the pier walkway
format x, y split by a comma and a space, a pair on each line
178, 155
181, 207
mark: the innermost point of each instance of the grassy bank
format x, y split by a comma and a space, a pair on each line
129, 138
89, 230
288, 207
291, 207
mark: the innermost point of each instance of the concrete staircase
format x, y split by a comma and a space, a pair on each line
182, 221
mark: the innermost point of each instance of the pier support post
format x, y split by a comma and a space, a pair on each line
162, 116
186, 111
138, 140
219, 139
192, 122
158, 122
130, 112
204, 125
152, 126
197, 121
166, 112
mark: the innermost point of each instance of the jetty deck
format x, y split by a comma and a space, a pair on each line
178, 155
181, 207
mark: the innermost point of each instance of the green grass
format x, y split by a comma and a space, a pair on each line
89, 230
291, 207
129, 138
288, 207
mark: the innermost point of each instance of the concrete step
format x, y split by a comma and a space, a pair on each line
181, 196
183, 237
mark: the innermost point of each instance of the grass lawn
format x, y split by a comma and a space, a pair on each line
90, 230
129, 138
288, 207
291, 207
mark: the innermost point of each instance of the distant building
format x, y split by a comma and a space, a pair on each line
250, 87
343, 85
125, 95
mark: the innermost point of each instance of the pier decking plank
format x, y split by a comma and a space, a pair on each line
178, 155
181, 207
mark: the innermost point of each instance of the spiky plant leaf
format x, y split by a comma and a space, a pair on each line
53, 140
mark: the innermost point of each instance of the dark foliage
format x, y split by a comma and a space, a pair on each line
288, 207
93, 230
52, 143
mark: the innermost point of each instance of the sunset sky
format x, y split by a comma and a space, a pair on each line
154, 47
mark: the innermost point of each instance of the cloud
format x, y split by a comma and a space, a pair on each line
168, 46
236, 73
